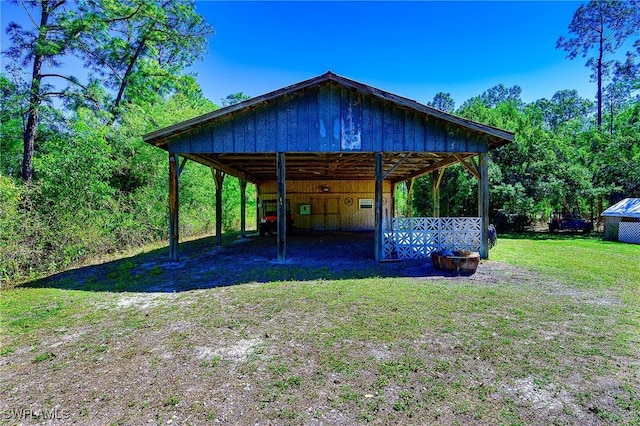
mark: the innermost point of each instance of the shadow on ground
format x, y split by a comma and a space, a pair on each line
203, 264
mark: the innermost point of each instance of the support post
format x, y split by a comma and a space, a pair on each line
258, 207
174, 236
436, 179
392, 201
243, 208
483, 203
218, 177
409, 185
378, 239
282, 206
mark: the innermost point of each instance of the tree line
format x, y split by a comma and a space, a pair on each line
77, 182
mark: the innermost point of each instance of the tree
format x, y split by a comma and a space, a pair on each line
234, 98
140, 48
624, 87
494, 96
12, 104
443, 102
564, 106
134, 49
43, 45
603, 26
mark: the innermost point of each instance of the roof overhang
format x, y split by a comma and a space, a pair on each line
402, 161
629, 207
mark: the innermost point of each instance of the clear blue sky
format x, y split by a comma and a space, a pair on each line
413, 49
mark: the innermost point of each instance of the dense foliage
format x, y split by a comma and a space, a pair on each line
77, 182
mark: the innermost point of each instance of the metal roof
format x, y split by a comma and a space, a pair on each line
629, 207
217, 139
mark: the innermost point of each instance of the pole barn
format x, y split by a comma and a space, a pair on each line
330, 151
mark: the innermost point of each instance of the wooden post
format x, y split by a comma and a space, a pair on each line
282, 206
436, 179
218, 177
483, 203
392, 201
378, 239
258, 207
174, 236
409, 184
243, 208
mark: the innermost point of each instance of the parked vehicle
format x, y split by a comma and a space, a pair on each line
569, 222
269, 220
509, 222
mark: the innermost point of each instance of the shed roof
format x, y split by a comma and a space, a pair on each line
629, 207
310, 121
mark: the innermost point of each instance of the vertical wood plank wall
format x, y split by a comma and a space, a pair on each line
352, 218
328, 118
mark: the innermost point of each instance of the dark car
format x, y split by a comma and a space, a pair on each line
569, 222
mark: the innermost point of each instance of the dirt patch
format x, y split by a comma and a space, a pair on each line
184, 343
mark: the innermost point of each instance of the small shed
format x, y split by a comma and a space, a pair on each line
622, 221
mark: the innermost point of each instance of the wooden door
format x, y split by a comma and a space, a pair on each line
325, 214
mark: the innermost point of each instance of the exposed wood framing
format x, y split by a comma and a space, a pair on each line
395, 166
282, 206
378, 239
184, 161
213, 163
439, 165
218, 177
174, 236
473, 170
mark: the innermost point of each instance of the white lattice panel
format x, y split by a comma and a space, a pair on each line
629, 232
418, 237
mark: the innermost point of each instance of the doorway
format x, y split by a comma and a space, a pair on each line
325, 213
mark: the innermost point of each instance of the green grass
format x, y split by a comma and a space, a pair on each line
586, 262
553, 339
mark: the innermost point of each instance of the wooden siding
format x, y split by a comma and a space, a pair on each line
611, 224
327, 118
349, 217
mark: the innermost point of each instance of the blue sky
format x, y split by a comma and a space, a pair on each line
413, 49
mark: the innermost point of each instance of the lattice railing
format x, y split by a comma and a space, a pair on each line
418, 237
629, 232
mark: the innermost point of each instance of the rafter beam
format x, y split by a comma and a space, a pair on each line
445, 162
472, 170
395, 166
208, 161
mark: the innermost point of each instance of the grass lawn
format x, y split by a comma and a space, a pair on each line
552, 336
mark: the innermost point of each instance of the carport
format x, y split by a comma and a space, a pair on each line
330, 135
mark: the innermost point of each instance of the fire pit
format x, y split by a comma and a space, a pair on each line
460, 262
